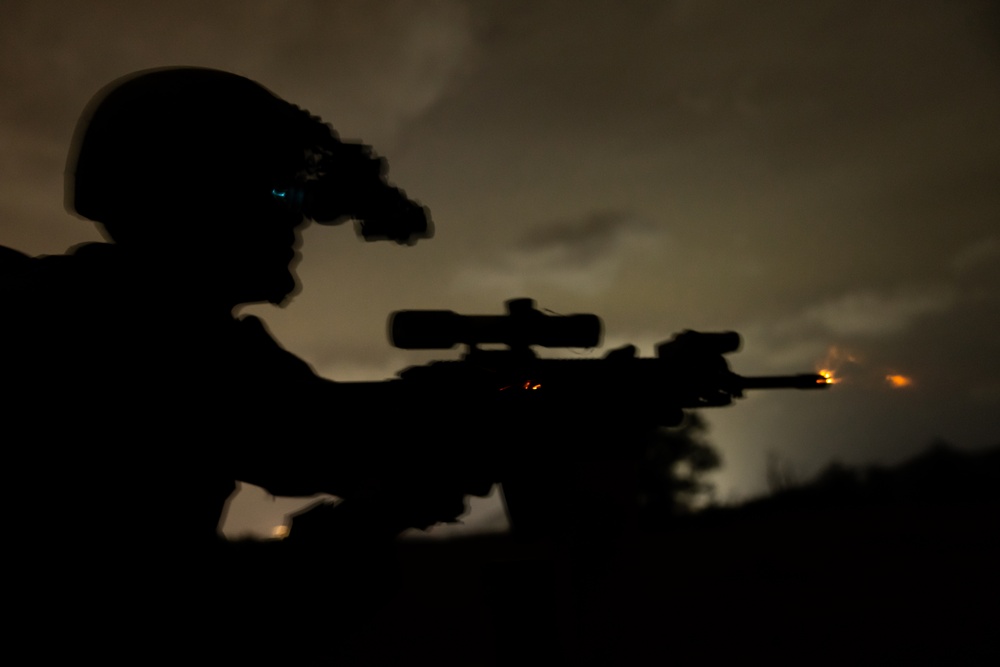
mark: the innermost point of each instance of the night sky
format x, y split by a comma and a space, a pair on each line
821, 176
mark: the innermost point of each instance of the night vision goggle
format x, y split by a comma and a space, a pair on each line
348, 183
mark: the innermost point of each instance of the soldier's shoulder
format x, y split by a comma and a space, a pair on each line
18, 266
13, 262
55, 280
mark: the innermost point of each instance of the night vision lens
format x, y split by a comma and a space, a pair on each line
290, 197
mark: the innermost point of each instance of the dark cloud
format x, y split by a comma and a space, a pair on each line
976, 254
582, 240
584, 255
869, 313
375, 63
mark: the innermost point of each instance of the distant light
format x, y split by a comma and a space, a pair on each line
899, 381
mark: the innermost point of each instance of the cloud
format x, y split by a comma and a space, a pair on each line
869, 313
380, 64
857, 319
579, 242
976, 254
581, 255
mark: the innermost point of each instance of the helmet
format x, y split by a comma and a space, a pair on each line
168, 141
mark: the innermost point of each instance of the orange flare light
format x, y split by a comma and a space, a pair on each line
899, 381
828, 375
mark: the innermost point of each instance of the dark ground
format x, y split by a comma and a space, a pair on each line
885, 567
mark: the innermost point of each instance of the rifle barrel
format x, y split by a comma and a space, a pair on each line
801, 381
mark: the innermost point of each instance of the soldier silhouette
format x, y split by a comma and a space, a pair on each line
135, 398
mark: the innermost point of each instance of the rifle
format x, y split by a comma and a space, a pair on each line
532, 415
688, 371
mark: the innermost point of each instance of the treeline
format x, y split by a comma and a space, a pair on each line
940, 475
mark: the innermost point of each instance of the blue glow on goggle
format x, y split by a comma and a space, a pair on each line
288, 196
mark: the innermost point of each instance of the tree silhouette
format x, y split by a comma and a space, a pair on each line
672, 473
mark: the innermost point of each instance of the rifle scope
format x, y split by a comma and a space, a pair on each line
523, 325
